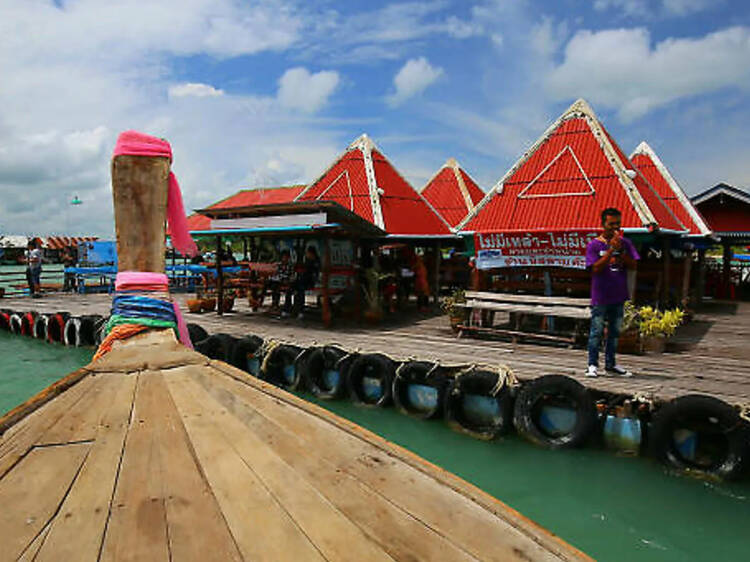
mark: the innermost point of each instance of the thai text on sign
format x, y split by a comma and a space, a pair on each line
524, 249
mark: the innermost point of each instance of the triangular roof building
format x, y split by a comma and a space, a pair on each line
363, 181
452, 192
564, 181
659, 176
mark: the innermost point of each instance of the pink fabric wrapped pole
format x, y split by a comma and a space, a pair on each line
134, 143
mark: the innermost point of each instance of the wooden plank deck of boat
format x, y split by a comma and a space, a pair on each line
156, 453
713, 356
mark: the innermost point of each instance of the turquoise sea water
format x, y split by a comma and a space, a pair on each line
613, 508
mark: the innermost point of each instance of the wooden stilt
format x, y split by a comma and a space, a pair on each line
666, 262
701, 289
436, 274
686, 267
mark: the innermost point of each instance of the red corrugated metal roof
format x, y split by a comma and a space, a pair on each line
666, 187
404, 211
259, 196
564, 182
445, 195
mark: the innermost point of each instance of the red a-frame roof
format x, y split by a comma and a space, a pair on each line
452, 192
564, 181
658, 175
365, 182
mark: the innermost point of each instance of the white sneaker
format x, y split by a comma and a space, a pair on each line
619, 371
592, 372
284, 314
301, 316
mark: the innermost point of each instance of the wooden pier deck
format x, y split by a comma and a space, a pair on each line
711, 355
156, 453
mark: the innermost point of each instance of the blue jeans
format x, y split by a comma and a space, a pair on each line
612, 315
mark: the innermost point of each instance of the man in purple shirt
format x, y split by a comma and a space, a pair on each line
609, 256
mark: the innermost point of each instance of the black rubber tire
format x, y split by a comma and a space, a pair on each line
373, 365
217, 346
16, 322
5, 320
276, 365
196, 333
319, 360
87, 330
70, 332
482, 383
554, 387
246, 350
27, 323
40, 327
423, 373
56, 327
711, 415
99, 325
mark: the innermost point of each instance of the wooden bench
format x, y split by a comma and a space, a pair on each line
518, 306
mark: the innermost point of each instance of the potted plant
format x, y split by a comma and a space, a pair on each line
196, 304
208, 302
630, 338
451, 305
656, 326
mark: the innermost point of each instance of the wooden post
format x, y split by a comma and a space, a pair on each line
667, 261
357, 261
686, 266
219, 278
436, 273
244, 248
726, 267
324, 280
139, 191
701, 290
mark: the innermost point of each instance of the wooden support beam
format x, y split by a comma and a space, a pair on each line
324, 281
701, 290
219, 278
436, 273
666, 263
139, 192
686, 267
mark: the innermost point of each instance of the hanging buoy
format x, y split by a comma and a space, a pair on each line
56, 327
217, 346
702, 435
27, 323
39, 330
370, 379
281, 366
248, 354
555, 411
324, 371
196, 333
419, 389
478, 402
16, 323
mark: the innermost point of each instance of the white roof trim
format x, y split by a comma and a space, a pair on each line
452, 163
646, 150
345, 174
722, 189
566, 148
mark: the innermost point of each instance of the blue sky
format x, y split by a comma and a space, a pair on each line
268, 92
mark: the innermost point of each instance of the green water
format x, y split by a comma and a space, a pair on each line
613, 508
29, 365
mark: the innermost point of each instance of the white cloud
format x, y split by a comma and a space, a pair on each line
547, 36
665, 8
620, 68
413, 79
194, 89
298, 89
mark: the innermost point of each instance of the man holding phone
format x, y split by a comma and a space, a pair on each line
608, 256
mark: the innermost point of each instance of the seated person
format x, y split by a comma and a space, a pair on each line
282, 279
